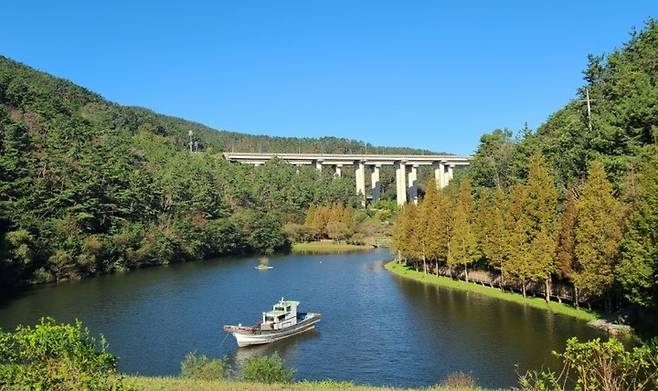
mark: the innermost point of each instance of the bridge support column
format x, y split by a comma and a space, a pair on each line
375, 184
401, 183
439, 174
451, 167
339, 170
318, 165
360, 176
413, 188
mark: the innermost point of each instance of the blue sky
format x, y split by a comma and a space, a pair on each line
425, 74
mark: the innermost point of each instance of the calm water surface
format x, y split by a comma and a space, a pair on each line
376, 328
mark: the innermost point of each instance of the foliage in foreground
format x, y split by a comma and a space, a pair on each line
596, 365
52, 356
202, 368
266, 369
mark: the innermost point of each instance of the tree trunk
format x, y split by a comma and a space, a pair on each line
548, 289
466, 271
424, 265
523, 287
575, 297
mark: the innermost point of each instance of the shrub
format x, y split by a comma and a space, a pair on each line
54, 356
596, 365
459, 380
266, 370
201, 367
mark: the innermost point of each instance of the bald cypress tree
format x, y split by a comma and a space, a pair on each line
406, 235
598, 234
463, 243
567, 239
515, 264
638, 269
435, 224
541, 208
493, 233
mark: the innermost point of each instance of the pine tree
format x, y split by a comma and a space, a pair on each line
463, 243
598, 234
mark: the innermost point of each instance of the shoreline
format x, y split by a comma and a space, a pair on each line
159, 383
401, 270
321, 247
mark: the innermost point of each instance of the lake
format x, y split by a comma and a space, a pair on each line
377, 328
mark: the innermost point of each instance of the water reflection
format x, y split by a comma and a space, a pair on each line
286, 348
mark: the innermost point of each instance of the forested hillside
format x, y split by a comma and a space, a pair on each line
88, 186
572, 206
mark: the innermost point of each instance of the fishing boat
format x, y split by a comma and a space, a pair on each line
281, 322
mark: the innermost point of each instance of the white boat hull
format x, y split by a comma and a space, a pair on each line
248, 336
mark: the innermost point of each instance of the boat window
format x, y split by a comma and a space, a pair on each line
269, 319
288, 308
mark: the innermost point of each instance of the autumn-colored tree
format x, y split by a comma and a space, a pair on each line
598, 234
434, 226
515, 263
405, 236
532, 242
492, 233
638, 269
463, 243
541, 206
567, 236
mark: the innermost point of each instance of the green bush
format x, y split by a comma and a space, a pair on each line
201, 367
52, 356
596, 365
266, 370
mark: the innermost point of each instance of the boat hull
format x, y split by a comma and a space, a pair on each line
246, 336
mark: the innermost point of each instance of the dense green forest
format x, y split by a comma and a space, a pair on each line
88, 186
569, 211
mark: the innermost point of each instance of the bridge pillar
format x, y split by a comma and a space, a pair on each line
413, 188
375, 185
339, 170
451, 167
360, 176
401, 182
439, 174
318, 165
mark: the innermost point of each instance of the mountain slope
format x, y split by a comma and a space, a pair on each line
88, 186
24, 87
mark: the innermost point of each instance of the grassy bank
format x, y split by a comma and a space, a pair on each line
327, 247
402, 270
178, 384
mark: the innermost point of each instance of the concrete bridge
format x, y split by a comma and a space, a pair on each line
406, 168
